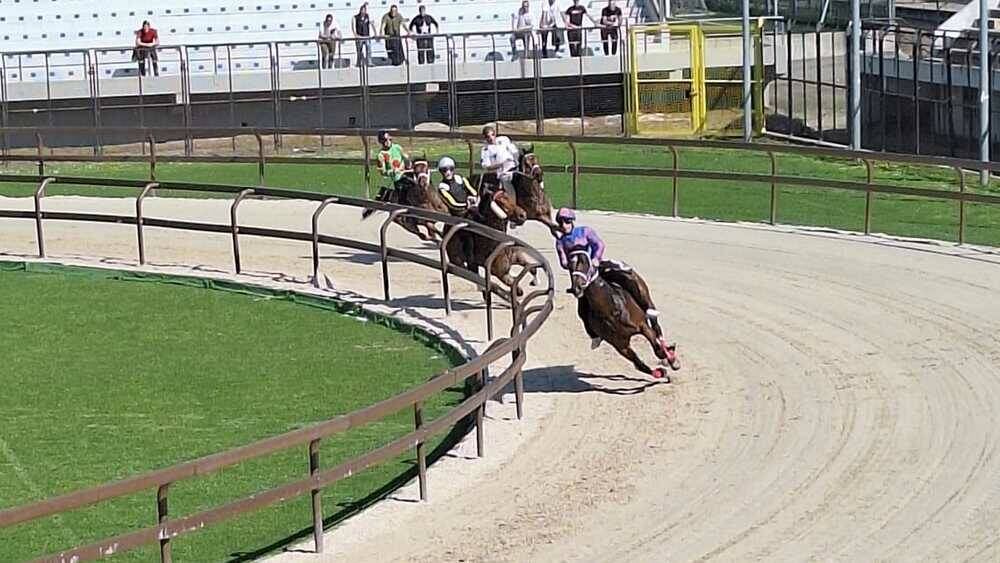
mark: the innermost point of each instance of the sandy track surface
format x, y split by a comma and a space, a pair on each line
839, 397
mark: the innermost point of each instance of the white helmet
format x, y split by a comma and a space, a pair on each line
446, 162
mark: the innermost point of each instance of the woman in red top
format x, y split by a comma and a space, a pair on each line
146, 41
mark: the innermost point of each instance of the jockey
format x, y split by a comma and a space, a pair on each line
391, 159
457, 193
499, 156
585, 238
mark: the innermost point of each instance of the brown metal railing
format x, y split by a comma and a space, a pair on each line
528, 314
672, 173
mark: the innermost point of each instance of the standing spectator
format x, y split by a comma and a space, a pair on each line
574, 27
611, 20
363, 29
329, 42
392, 27
521, 24
146, 42
421, 25
548, 24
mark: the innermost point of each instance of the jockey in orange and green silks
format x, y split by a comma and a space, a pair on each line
391, 158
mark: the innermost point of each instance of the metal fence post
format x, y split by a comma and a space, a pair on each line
418, 422
152, 157
472, 162
235, 229
446, 263
480, 415
315, 236
39, 193
869, 194
41, 158
317, 497
385, 250
673, 195
260, 157
774, 188
576, 174
162, 509
489, 285
961, 205
368, 164
138, 220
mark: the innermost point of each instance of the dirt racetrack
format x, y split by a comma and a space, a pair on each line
838, 401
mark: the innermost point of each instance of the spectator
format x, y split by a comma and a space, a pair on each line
421, 25
363, 29
392, 27
574, 27
329, 42
146, 42
611, 20
521, 24
548, 24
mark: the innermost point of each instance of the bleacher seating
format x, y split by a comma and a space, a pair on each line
101, 34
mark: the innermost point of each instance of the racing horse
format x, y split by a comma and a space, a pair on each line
612, 314
496, 210
529, 183
414, 190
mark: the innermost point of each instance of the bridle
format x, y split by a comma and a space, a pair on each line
591, 273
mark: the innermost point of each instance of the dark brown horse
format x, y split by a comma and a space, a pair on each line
611, 313
496, 210
529, 183
414, 190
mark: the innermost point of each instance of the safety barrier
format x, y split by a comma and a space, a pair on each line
527, 313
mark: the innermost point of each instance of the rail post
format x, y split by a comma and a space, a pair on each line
235, 228
368, 165
316, 495
472, 162
162, 509
138, 220
315, 236
41, 158
152, 157
576, 174
869, 194
384, 250
446, 263
489, 285
515, 329
260, 157
961, 206
774, 188
673, 192
418, 422
39, 193
480, 415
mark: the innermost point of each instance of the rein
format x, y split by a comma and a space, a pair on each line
591, 274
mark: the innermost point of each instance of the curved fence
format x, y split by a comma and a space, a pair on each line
506, 355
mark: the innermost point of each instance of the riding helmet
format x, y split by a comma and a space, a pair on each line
566, 215
445, 163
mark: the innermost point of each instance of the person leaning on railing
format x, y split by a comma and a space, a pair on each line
146, 42
611, 20
521, 25
392, 28
363, 29
421, 25
574, 27
329, 42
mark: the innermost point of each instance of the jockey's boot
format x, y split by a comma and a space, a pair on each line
595, 342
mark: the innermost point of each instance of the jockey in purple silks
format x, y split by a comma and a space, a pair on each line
585, 238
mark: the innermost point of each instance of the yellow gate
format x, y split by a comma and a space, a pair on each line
674, 91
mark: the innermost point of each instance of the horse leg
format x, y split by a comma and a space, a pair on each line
663, 351
411, 226
627, 351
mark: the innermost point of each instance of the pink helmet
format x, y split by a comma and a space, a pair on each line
566, 215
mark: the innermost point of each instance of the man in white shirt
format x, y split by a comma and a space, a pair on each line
329, 41
499, 156
521, 24
548, 25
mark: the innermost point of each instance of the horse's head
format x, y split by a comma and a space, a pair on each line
421, 172
500, 204
532, 167
581, 271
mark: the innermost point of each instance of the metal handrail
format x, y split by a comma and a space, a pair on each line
166, 529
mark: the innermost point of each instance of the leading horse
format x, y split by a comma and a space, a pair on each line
610, 313
529, 183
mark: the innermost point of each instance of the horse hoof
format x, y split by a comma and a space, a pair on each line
660, 373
